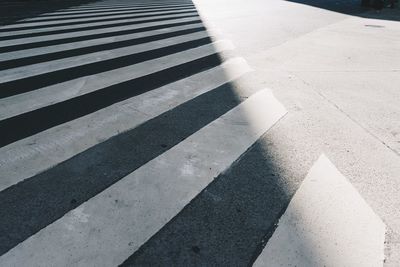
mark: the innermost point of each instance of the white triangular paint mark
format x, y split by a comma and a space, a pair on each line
327, 223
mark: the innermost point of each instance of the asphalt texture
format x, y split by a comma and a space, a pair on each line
315, 56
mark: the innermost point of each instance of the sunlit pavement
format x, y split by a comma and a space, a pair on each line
204, 133
337, 73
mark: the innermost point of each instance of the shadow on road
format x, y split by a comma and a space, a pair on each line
227, 224
12, 11
352, 7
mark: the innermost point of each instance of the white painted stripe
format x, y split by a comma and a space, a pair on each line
88, 43
111, 7
67, 27
90, 32
74, 16
34, 154
130, 3
109, 227
88, 20
327, 223
107, 4
121, 5
100, 13
45, 96
60, 64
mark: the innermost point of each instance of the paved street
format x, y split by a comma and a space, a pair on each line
204, 133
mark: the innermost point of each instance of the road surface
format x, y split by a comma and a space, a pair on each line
205, 133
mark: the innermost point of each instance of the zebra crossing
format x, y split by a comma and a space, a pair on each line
121, 123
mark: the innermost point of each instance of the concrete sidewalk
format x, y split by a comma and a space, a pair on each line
338, 76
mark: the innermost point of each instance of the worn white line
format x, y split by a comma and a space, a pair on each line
327, 223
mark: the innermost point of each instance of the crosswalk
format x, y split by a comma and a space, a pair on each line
127, 129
